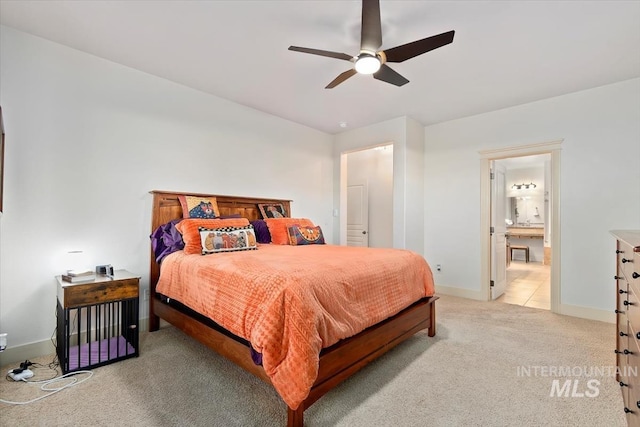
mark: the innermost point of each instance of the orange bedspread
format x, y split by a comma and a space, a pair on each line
292, 301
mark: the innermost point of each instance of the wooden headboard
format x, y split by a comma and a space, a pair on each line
166, 207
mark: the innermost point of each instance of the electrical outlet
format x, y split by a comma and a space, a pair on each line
146, 294
438, 267
3, 341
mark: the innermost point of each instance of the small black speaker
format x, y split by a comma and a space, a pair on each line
105, 270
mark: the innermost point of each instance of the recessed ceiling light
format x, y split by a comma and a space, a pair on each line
343, 124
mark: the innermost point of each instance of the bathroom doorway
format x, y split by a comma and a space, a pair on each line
526, 216
533, 249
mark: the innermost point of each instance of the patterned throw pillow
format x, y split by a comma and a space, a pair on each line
227, 239
304, 235
279, 228
199, 207
189, 228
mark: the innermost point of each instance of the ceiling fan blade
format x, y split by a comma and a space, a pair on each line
386, 74
328, 53
413, 49
342, 77
371, 31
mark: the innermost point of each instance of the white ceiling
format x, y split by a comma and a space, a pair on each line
505, 53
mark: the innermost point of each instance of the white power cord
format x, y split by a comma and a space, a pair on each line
71, 381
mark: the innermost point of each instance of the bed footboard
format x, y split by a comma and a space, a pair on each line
342, 360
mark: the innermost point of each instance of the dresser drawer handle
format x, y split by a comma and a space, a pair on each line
625, 351
623, 384
616, 351
619, 312
626, 260
627, 302
622, 334
638, 404
627, 410
635, 275
638, 335
622, 291
618, 251
618, 277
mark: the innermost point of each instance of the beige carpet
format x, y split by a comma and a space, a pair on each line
468, 375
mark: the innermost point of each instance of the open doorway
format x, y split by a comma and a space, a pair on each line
368, 179
523, 224
525, 213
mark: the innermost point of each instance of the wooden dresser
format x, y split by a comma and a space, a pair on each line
628, 321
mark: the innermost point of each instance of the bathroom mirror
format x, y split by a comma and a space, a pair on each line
526, 211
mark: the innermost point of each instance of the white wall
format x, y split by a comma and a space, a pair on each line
414, 186
600, 185
88, 139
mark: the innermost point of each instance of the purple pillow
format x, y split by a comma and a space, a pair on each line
166, 239
262, 231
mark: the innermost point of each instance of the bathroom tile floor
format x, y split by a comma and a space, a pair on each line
528, 284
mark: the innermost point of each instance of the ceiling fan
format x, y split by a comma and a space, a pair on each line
371, 60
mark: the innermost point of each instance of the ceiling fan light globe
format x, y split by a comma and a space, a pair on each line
367, 64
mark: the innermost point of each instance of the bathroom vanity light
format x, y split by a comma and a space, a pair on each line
523, 185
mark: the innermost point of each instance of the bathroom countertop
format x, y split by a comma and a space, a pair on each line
526, 232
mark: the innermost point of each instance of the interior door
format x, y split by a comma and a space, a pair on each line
499, 231
357, 215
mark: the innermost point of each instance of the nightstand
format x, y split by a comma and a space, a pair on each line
97, 321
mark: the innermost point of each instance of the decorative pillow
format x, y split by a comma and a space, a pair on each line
301, 235
191, 234
166, 239
262, 231
199, 207
279, 228
227, 239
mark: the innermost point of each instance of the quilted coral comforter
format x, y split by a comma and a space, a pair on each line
289, 302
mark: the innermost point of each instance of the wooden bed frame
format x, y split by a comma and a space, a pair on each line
337, 362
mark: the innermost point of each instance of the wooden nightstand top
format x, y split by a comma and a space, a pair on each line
103, 289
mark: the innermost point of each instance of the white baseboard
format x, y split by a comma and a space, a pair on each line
588, 313
20, 353
24, 352
459, 292
565, 309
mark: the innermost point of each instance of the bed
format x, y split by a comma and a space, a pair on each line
333, 363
